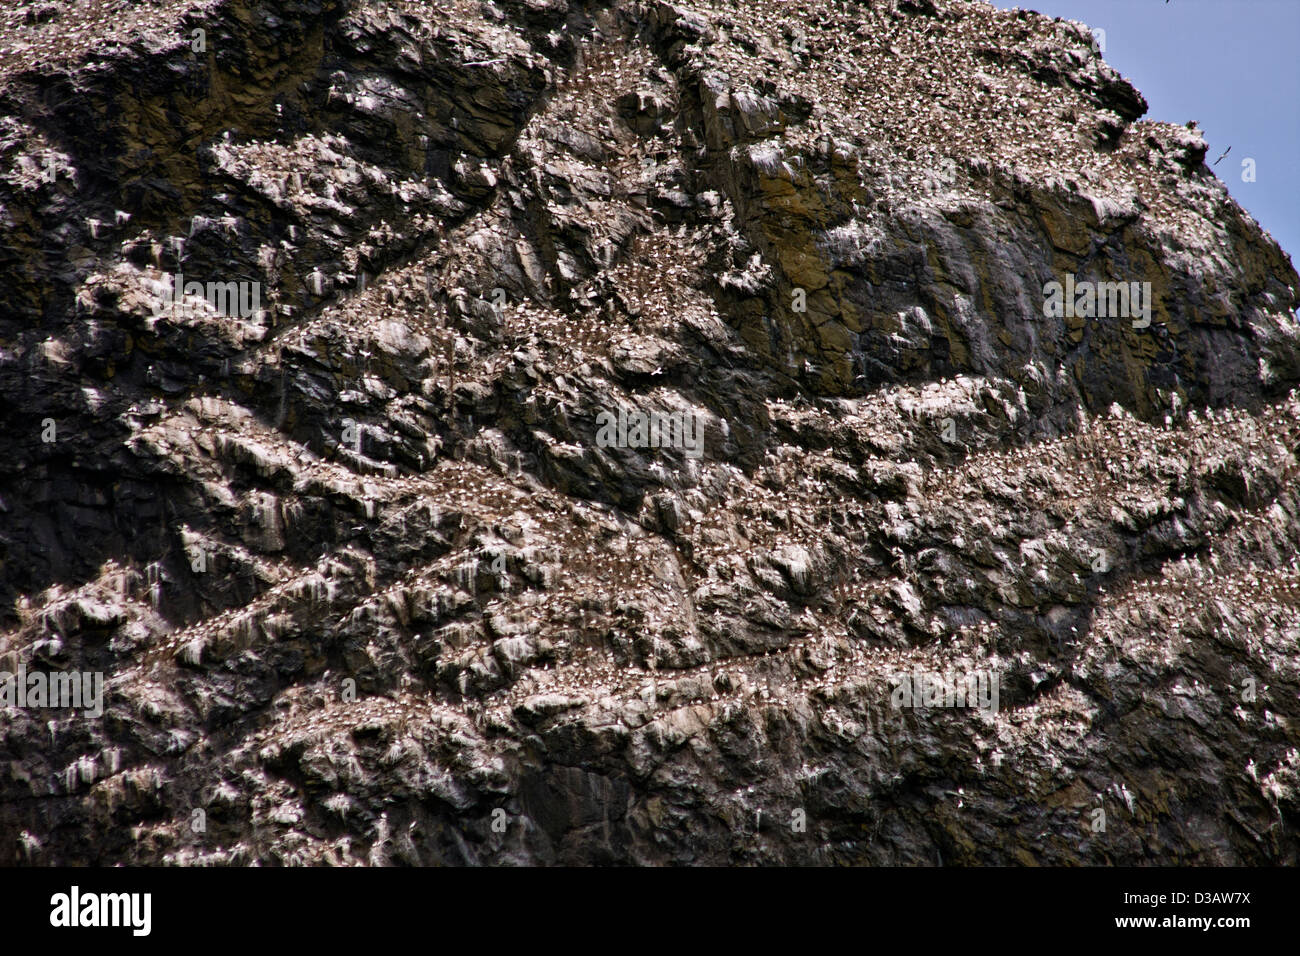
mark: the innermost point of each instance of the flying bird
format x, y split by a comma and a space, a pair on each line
1225, 152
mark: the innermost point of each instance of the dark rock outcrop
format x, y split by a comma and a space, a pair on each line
368, 586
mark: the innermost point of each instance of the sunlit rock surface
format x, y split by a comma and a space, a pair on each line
368, 585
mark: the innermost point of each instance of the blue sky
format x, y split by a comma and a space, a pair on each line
1232, 66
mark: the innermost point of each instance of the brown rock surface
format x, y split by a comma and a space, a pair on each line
366, 586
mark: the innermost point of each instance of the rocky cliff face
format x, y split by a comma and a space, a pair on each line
379, 566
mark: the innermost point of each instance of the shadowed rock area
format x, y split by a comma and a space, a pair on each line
331, 336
